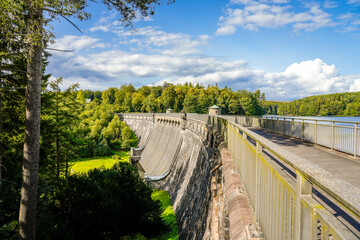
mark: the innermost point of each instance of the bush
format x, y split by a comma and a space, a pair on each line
106, 204
102, 149
126, 144
115, 144
86, 150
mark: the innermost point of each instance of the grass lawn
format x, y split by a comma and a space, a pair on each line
83, 165
168, 215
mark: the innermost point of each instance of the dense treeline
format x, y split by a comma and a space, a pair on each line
337, 104
192, 99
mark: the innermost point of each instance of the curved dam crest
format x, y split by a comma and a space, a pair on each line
182, 153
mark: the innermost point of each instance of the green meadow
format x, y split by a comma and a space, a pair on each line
83, 165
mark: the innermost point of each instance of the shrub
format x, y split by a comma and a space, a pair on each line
104, 204
102, 149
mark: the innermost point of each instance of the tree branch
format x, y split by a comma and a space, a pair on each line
53, 11
59, 50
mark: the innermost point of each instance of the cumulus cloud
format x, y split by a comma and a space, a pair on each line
271, 14
71, 42
298, 80
354, 82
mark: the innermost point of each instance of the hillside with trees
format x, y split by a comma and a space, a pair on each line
188, 97
336, 104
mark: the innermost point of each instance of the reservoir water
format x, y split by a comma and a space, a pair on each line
326, 118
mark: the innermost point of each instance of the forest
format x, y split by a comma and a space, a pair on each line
192, 99
336, 104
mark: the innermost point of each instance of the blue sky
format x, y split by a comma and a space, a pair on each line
288, 49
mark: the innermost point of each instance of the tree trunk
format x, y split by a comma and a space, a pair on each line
0, 137
57, 136
30, 168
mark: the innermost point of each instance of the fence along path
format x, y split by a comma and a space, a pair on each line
282, 189
339, 135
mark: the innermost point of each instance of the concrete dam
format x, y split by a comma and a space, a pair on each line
228, 182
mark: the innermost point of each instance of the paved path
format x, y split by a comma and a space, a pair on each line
341, 165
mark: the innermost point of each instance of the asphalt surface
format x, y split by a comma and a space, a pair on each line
342, 165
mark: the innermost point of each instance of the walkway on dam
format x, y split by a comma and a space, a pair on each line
342, 165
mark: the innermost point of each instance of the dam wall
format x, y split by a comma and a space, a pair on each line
188, 158
178, 158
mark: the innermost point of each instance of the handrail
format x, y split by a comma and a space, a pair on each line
349, 195
334, 135
301, 118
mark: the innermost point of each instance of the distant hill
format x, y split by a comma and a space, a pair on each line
336, 104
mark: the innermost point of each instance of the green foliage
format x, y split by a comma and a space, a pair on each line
102, 149
104, 204
83, 165
340, 104
187, 97
81, 97
58, 132
167, 215
9, 231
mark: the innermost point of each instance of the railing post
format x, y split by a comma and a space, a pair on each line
315, 134
303, 230
355, 139
284, 123
259, 150
243, 156
332, 135
153, 117
302, 130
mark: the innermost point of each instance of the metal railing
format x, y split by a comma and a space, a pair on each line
284, 206
339, 135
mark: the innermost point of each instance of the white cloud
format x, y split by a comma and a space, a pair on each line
353, 1
330, 4
256, 14
71, 42
354, 81
156, 40
298, 80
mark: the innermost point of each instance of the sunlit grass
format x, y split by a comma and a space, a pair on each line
83, 165
167, 215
